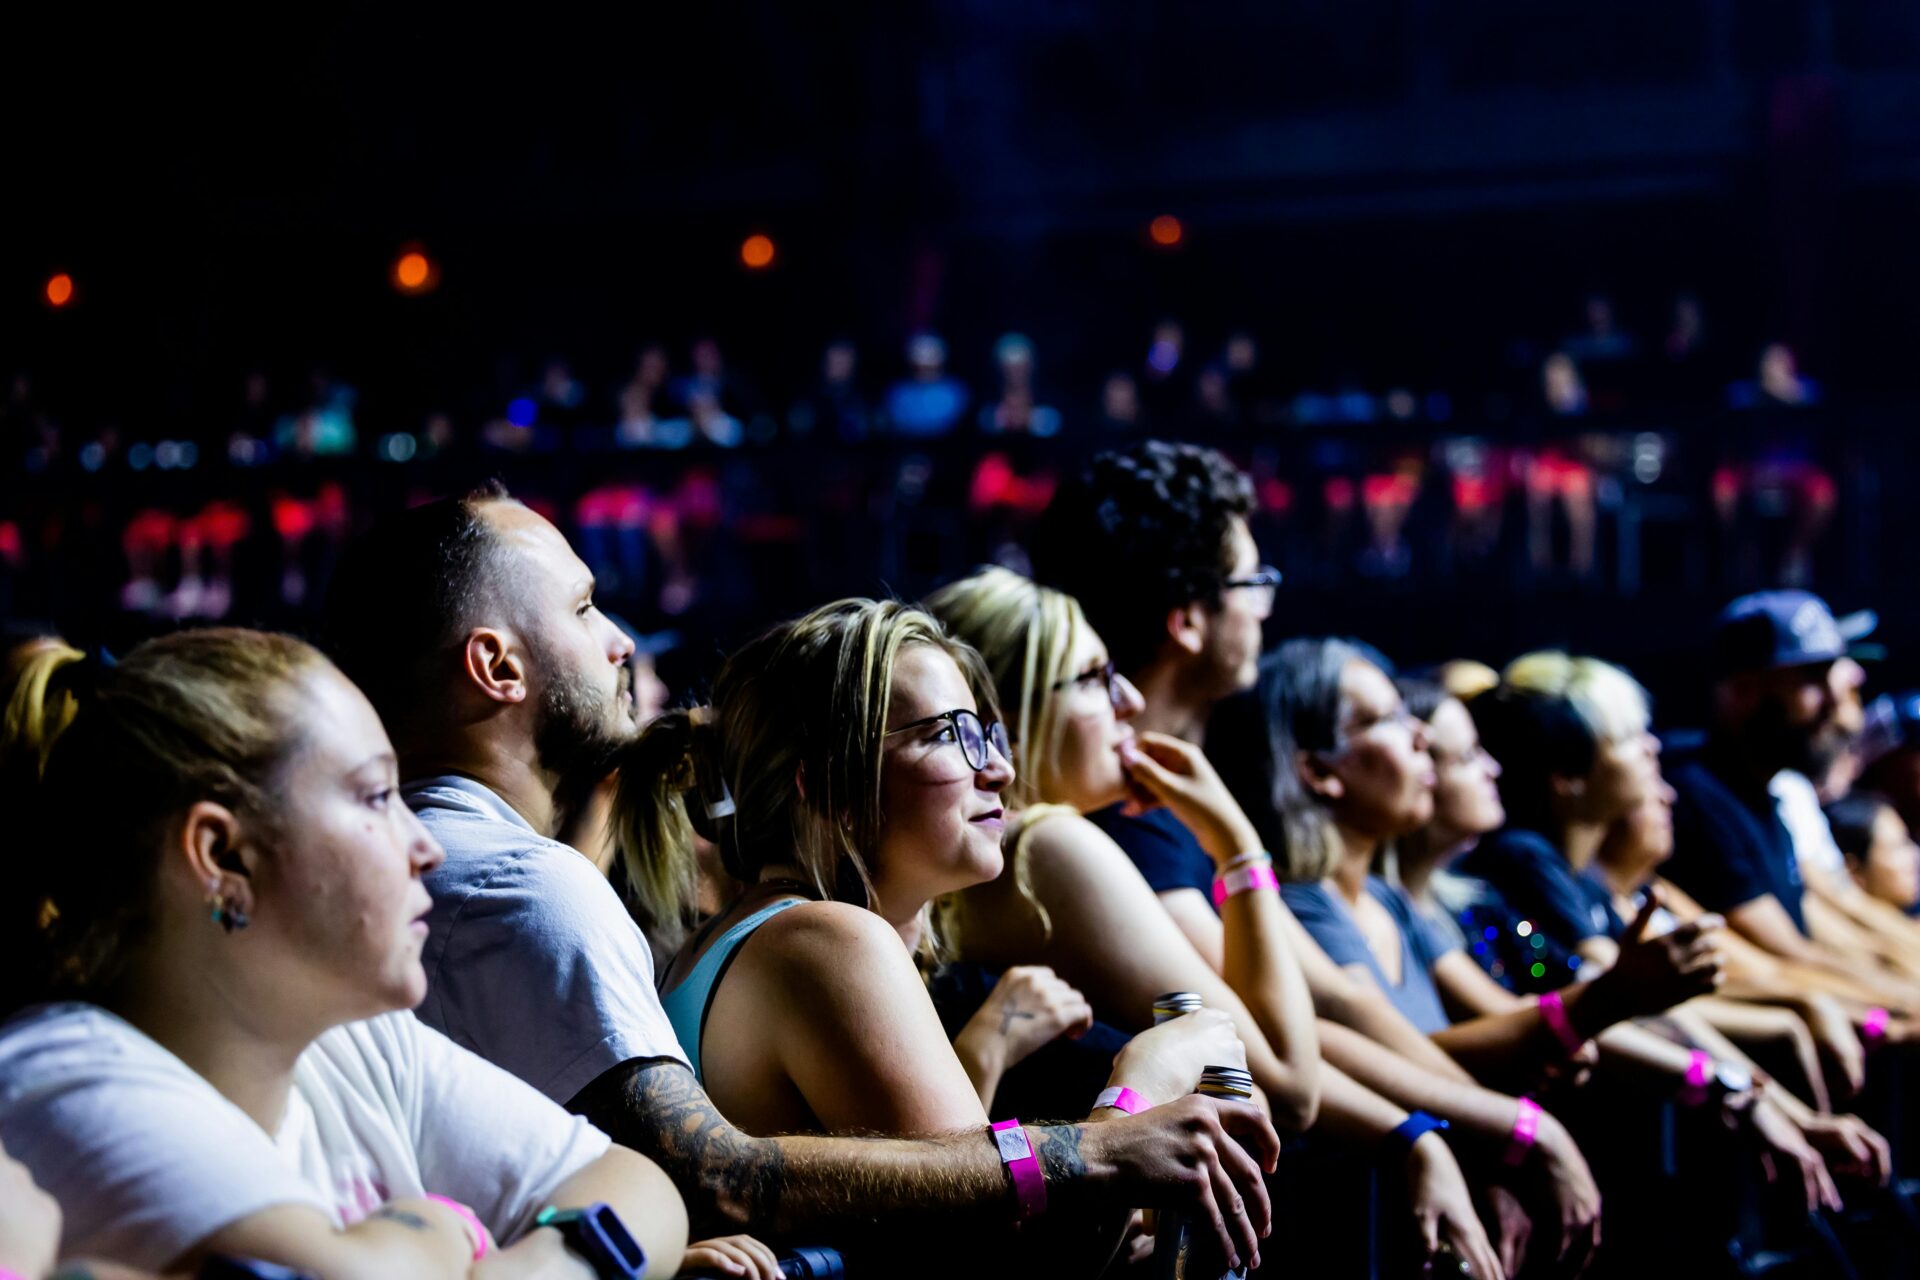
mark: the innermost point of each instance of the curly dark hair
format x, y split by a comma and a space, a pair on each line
1142, 531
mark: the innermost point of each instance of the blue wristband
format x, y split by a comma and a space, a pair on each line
1410, 1131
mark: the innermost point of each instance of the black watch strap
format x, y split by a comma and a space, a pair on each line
597, 1235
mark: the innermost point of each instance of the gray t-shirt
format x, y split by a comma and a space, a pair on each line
532, 962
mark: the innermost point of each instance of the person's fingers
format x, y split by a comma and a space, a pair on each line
710, 1255
1882, 1157
1471, 1243
1240, 1217
1210, 1212
1637, 931
1586, 1243
766, 1261
1079, 1020
1244, 1121
1824, 1185
1149, 775
1428, 1223
1246, 1177
1175, 754
1514, 1247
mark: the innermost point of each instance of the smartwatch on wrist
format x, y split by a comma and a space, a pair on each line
596, 1234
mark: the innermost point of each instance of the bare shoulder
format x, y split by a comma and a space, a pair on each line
833, 934
1071, 842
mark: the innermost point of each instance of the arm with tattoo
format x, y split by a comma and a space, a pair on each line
878, 1189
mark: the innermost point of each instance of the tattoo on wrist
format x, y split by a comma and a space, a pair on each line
405, 1217
1059, 1151
1007, 1016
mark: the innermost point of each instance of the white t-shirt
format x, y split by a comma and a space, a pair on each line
147, 1159
1798, 805
532, 960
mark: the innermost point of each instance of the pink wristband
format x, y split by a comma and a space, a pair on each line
1526, 1128
1029, 1184
481, 1241
5, 1274
1699, 1076
1873, 1027
1121, 1098
1241, 879
1553, 1012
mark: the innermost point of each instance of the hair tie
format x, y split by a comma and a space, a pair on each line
717, 805
82, 677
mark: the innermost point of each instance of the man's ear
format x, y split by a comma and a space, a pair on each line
1187, 627
1317, 776
494, 665
218, 856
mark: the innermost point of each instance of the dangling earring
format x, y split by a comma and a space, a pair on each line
224, 913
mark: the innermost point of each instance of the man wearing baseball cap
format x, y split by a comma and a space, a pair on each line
1786, 682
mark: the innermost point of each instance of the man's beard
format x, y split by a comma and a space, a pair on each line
1809, 750
580, 730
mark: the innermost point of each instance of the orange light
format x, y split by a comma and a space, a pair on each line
756, 252
60, 290
413, 272
1166, 231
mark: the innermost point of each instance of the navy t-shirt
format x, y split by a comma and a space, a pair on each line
1536, 881
1730, 848
1422, 943
1504, 940
1168, 855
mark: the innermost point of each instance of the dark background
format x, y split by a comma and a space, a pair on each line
1408, 194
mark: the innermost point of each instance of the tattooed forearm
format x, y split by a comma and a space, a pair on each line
731, 1181
867, 1192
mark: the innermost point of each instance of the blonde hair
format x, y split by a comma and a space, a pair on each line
1026, 633
1463, 679
124, 749
1608, 701
785, 762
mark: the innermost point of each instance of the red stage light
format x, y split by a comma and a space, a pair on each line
1166, 231
413, 272
756, 252
59, 290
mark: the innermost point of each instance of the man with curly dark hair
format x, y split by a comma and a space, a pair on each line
1153, 542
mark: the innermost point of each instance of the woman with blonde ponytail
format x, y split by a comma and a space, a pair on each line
212, 926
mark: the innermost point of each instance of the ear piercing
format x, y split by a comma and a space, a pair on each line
224, 911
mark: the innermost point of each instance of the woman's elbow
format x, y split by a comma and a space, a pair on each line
652, 1209
1296, 1106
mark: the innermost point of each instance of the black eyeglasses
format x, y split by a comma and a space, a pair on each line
973, 736
1264, 582
1106, 673
1265, 576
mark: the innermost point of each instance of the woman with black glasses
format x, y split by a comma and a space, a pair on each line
850, 768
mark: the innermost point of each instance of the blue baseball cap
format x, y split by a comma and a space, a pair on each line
1769, 630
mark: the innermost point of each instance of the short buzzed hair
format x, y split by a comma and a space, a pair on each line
405, 594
